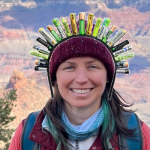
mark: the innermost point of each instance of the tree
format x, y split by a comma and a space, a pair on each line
6, 105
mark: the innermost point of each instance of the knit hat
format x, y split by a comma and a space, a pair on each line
79, 46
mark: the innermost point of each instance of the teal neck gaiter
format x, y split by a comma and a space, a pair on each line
87, 129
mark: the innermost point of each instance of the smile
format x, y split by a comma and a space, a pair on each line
81, 91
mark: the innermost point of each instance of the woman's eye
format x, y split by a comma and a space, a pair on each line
70, 67
93, 66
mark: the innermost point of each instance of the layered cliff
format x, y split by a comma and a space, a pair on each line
32, 93
19, 24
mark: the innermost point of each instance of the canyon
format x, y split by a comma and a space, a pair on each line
19, 24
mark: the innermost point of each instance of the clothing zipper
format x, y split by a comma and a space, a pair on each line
76, 146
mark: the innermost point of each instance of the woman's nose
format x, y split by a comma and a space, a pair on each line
81, 76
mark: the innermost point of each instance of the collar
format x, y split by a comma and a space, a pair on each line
79, 128
46, 139
37, 135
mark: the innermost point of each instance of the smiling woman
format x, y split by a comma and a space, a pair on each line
85, 112
81, 82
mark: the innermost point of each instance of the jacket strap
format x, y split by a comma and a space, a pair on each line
26, 143
131, 121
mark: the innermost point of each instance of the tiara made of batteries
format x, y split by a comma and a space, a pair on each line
119, 52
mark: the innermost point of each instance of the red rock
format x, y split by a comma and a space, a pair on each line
17, 80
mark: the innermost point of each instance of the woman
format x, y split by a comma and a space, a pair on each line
83, 115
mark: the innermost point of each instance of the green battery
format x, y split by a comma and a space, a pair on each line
82, 27
66, 27
82, 23
103, 28
41, 50
36, 53
52, 31
126, 56
109, 33
57, 24
97, 26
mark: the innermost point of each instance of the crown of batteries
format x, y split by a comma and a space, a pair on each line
119, 51
97, 31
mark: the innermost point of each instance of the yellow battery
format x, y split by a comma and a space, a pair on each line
73, 23
89, 24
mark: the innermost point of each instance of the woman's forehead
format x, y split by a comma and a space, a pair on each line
82, 59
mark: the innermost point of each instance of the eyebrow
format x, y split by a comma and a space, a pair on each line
86, 62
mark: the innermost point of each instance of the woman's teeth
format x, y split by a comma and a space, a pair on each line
81, 91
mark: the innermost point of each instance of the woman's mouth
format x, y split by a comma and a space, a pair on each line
81, 92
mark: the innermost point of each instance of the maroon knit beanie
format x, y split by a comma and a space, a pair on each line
81, 46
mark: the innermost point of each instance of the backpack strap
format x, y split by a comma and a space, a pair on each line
26, 143
131, 120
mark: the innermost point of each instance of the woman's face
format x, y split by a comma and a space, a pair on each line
81, 81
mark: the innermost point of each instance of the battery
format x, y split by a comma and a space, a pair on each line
47, 36
116, 37
123, 71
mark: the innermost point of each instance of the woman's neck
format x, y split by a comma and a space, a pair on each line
77, 116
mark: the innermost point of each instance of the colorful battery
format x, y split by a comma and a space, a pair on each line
47, 36
103, 28
122, 50
73, 23
109, 33
41, 62
120, 45
36, 53
126, 56
44, 43
52, 31
82, 23
97, 26
41, 50
89, 24
66, 27
37, 68
116, 37
122, 64
123, 71
57, 24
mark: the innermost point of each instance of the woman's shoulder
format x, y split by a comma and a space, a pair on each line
16, 140
145, 127
146, 135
